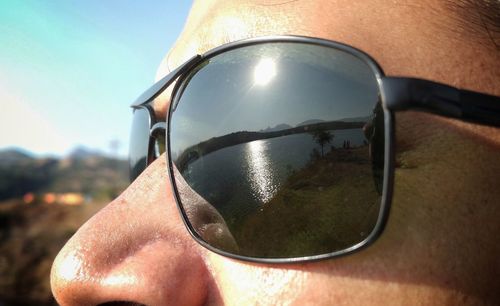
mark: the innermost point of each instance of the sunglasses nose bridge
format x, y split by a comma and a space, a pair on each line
158, 129
157, 134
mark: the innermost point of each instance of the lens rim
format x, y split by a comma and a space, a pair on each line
388, 179
148, 154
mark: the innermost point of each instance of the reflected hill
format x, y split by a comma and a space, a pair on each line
217, 143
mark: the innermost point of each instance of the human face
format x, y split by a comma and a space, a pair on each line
439, 246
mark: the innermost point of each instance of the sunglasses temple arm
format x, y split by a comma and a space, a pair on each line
157, 88
400, 94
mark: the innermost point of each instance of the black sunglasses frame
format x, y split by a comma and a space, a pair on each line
155, 129
397, 94
145, 159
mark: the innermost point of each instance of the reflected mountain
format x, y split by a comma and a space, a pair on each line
278, 127
217, 143
312, 121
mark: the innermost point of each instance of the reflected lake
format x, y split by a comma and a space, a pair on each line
250, 174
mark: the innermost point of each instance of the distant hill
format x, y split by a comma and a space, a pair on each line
84, 171
279, 127
81, 152
353, 119
356, 119
310, 121
14, 155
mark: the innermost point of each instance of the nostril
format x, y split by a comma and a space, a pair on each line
121, 303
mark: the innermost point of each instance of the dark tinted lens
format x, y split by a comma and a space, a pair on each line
278, 150
139, 142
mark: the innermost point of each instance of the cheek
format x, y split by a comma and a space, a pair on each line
350, 280
244, 283
367, 276
442, 161
445, 202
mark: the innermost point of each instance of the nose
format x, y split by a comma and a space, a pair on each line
134, 251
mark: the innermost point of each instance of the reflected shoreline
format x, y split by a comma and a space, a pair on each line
203, 148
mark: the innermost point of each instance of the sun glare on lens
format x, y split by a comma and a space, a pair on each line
264, 71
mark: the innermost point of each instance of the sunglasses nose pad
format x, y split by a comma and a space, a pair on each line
157, 132
158, 129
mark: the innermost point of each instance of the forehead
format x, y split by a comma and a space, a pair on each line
406, 38
386, 30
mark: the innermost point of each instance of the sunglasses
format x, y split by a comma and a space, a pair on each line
281, 149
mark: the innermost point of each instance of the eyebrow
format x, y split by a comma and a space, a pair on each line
480, 18
278, 3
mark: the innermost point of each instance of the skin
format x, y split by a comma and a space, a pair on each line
440, 246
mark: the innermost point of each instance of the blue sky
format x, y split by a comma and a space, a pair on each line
70, 69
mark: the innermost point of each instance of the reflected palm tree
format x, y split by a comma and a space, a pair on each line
322, 138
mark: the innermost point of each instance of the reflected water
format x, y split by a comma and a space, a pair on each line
250, 185
260, 174
238, 180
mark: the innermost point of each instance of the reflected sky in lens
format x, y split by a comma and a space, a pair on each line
260, 87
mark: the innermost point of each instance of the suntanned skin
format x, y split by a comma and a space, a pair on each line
440, 246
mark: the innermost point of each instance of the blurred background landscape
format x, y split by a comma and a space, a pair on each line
43, 201
68, 73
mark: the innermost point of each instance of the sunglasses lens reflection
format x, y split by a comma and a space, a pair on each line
139, 142
278, 150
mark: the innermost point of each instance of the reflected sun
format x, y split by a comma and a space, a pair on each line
264, 71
